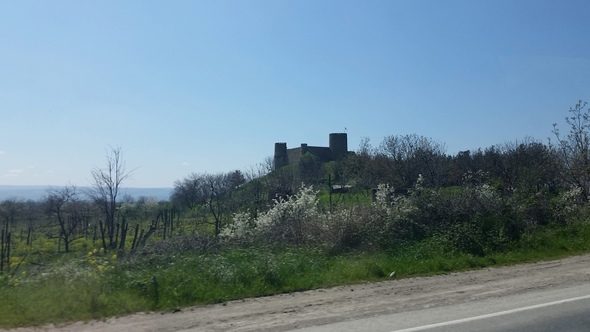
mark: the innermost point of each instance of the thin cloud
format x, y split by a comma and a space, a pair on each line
2, 152
13, 173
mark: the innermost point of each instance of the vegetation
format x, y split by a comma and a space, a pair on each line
404, 206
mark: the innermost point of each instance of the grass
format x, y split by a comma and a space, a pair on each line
345, 199
96, 285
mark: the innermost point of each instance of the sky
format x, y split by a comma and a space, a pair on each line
210, 86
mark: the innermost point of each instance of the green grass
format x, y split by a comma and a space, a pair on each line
95, 286
345, 199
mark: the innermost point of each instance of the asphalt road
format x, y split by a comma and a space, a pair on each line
562, 309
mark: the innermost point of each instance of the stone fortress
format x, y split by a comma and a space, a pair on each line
336, 151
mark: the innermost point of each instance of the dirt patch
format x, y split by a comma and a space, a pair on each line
316, 307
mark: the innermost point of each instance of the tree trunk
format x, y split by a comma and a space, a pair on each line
102, 235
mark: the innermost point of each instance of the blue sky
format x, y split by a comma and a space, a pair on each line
195, 86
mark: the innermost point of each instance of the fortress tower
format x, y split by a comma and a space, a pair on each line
338, 145
280, 159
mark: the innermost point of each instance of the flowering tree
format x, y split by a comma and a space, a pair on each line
289, 220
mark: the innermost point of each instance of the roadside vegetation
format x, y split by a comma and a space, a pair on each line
402, 208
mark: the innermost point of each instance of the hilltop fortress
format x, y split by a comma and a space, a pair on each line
337, 150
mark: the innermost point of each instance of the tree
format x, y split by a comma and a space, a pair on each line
574, 148
217, 186
188, 192
61, 204
105, 193
412, 155
362, 167
234, 179
9, 211
212, 191
529, 166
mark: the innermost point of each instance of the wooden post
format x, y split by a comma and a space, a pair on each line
2, 251
134, 242
8, 252
330, 190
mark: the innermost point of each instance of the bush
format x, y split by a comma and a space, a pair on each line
567, 205
349, 228
294, 220
474, 219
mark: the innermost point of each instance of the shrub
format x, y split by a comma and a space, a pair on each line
294, 220
349, 228
567, 205
473, 219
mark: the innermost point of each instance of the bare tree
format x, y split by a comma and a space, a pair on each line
211, 191
9, 210
412, 155
62, 205
107, 186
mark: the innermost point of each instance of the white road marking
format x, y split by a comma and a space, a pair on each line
496, 314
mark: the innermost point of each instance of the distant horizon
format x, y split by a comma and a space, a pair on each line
83, 186
38, 192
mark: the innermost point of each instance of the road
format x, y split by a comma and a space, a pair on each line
549, 295
561, 309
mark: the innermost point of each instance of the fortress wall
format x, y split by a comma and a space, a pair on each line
323, 153
294, 155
